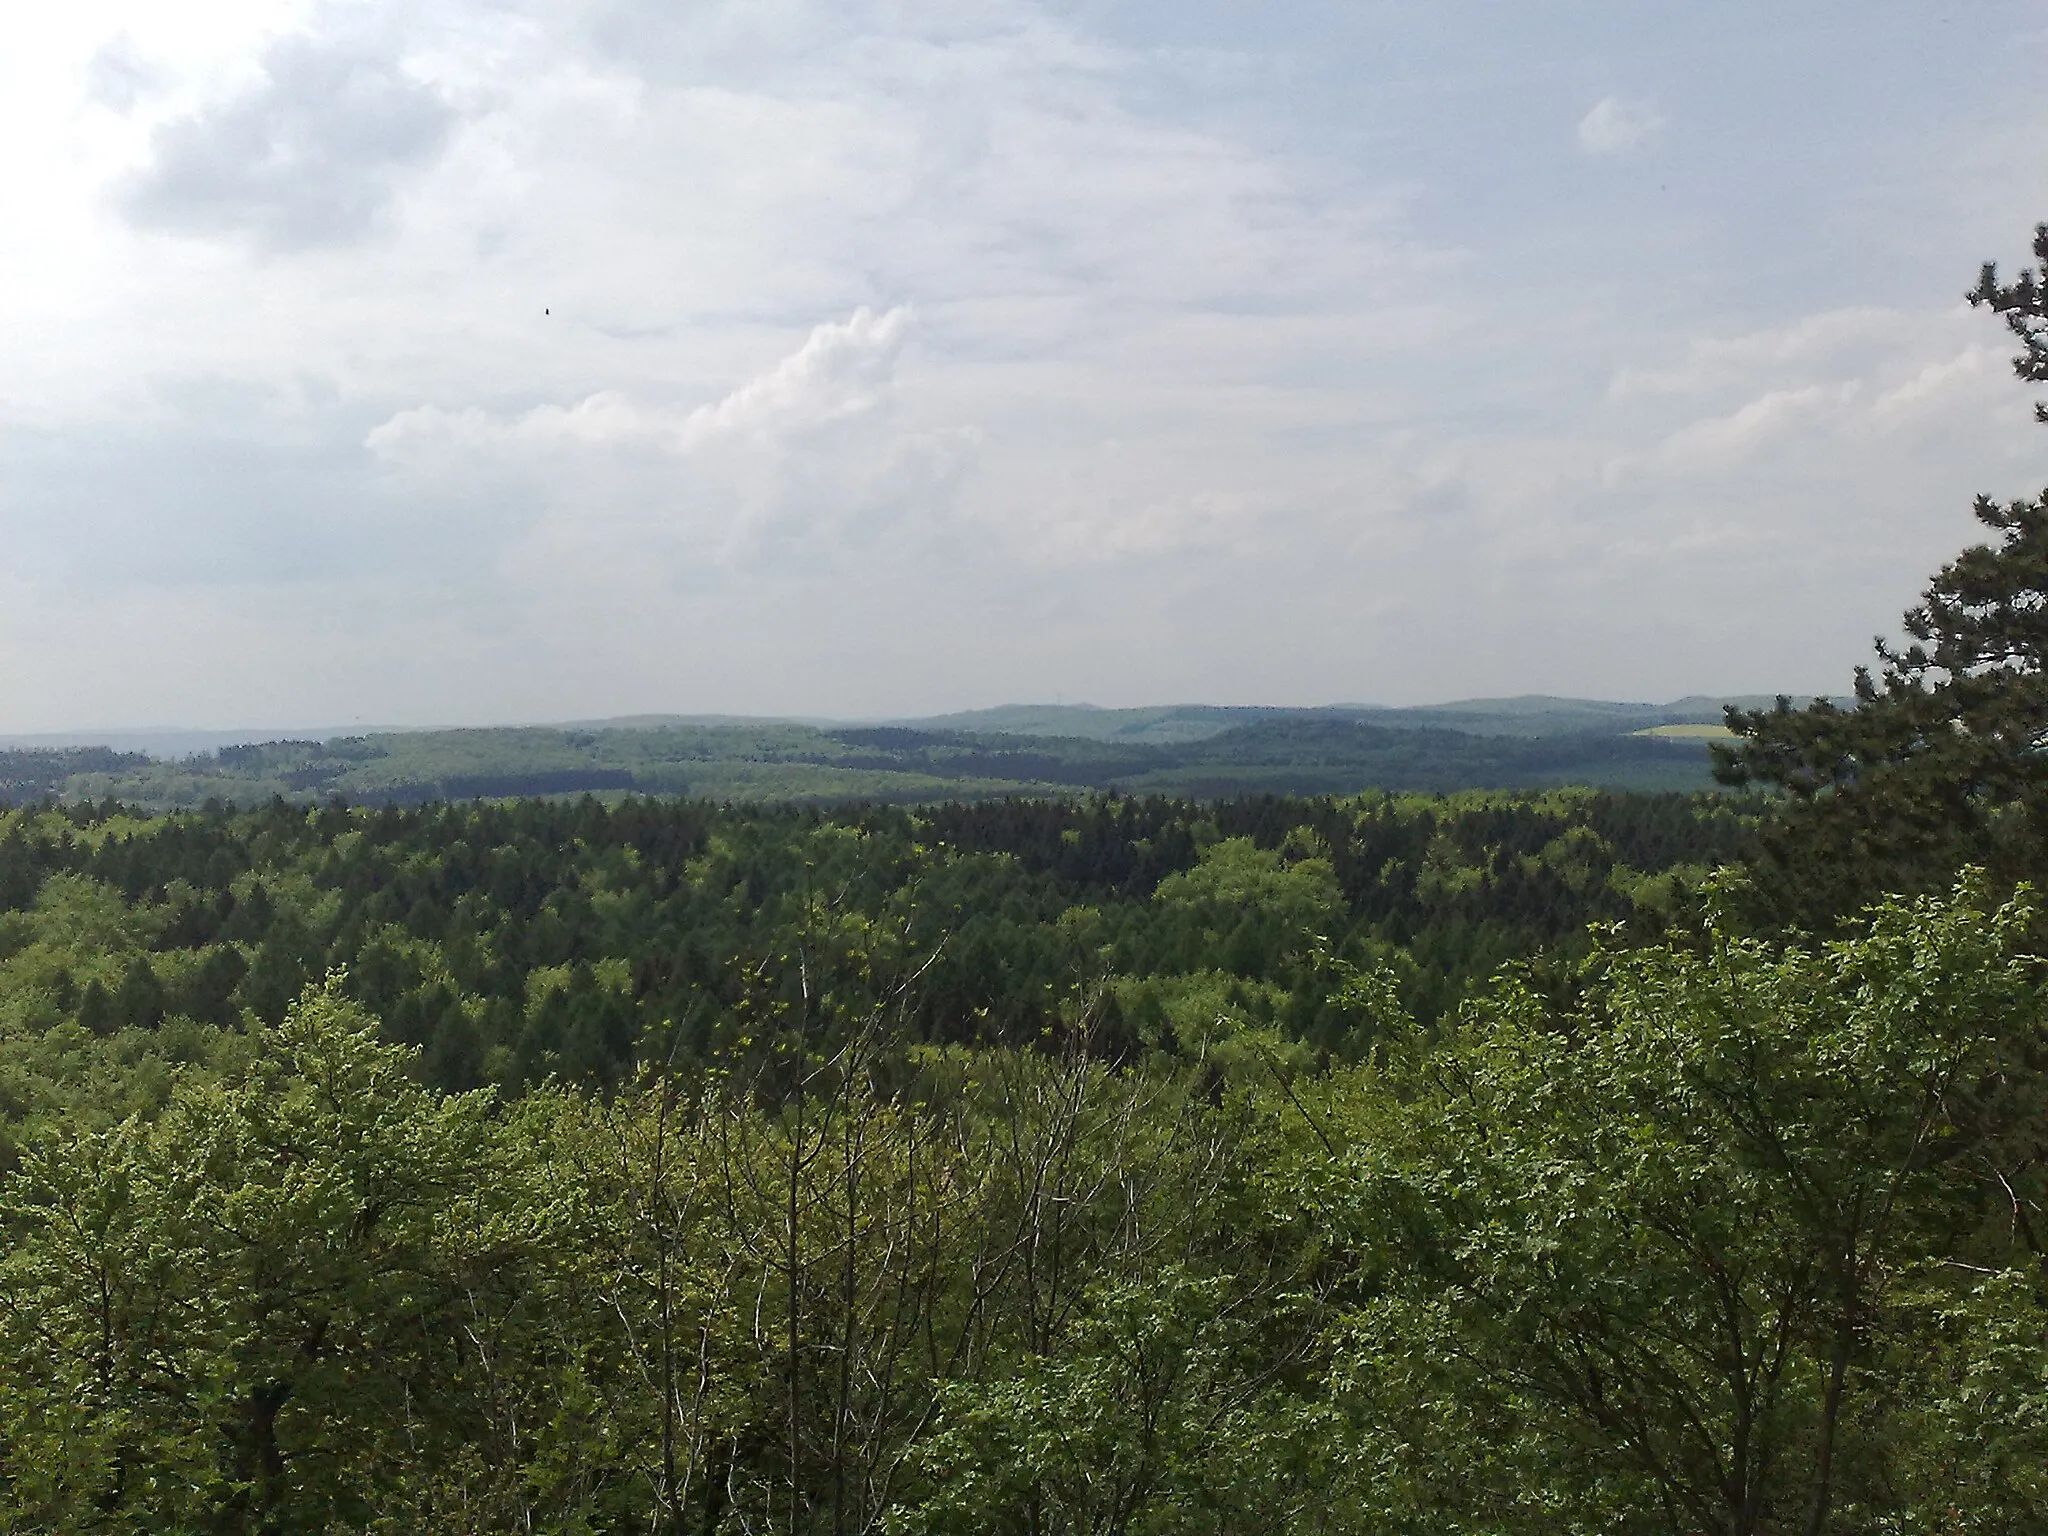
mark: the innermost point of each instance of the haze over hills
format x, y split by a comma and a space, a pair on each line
1524, 715
1189, 750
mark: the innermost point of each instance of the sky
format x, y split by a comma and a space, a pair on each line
478, 361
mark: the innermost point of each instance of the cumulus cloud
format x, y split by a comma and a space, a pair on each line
1797, 393
307, 157
1618, 127
797, 461
842, 371
426, 436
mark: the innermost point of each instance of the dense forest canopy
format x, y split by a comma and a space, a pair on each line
1494, 1163
537, 938
1721, 1236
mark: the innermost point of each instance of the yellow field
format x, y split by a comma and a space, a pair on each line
1702, 731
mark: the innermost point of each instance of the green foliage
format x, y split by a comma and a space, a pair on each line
234, 1316
1721, 1236
511, 944
1707, 1249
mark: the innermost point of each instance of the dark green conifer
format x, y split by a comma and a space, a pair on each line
140, 1004
96, 1009
1940, 761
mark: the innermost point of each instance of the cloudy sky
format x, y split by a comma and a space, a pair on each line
459, 361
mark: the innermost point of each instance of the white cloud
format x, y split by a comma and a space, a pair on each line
843, 370
1772, 418
1838, 381
436, 437
1829, 341
840, 372
800, 461
306, 157
567, 346
1618, 127
1977, 379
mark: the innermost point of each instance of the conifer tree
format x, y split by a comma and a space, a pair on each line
1940, 762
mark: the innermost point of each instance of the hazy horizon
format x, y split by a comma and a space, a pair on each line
172, 740
487, 360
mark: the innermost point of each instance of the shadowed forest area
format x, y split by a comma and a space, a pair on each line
1494, 1162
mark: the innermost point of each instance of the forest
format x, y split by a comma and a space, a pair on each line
518, 942
1208, 752
1503, 1161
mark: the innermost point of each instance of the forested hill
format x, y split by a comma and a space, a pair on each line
1189, 751
52, 772
1522, 715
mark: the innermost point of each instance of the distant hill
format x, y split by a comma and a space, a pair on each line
1201, 750
35, 772
1527, 715
1088, 722
1278, 752
1541, 715
1162, 724
168, 741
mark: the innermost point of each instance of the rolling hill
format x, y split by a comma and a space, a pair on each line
1191, 750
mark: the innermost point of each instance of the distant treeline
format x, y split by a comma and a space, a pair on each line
36, 773
1286, 753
